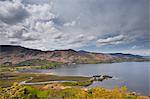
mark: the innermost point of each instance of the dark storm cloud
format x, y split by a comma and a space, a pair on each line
12, 13
17, 16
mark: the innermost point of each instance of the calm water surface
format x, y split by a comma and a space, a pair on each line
134, 75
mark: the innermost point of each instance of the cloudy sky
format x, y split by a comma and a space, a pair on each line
93, 25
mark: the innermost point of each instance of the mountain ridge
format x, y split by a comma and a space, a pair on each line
16, 54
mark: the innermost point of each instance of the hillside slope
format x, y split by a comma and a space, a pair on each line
16, 54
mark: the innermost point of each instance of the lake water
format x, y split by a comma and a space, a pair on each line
134, 75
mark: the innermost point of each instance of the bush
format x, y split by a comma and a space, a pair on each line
19, 92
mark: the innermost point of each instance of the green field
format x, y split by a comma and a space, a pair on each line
42, 78
8, 78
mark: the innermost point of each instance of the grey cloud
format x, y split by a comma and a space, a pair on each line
17, 16
101, 16
112, 40
30, 39
79, 39
36, 2
14, 42
6, 0
58, 36
58, 24
12, 13
17, 34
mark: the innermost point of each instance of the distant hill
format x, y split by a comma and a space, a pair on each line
17, 55
120, 55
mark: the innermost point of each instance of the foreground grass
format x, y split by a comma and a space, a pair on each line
31, 92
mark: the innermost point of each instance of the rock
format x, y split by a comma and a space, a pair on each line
101, 77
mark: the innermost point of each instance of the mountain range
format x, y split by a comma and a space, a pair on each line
15, 55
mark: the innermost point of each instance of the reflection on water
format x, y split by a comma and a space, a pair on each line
134, 75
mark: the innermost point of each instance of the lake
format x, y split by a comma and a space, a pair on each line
134, 75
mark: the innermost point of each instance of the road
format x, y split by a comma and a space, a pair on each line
39, 83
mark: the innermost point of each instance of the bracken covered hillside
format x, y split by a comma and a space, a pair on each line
16, 54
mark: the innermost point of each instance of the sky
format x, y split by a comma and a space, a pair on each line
107, 26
